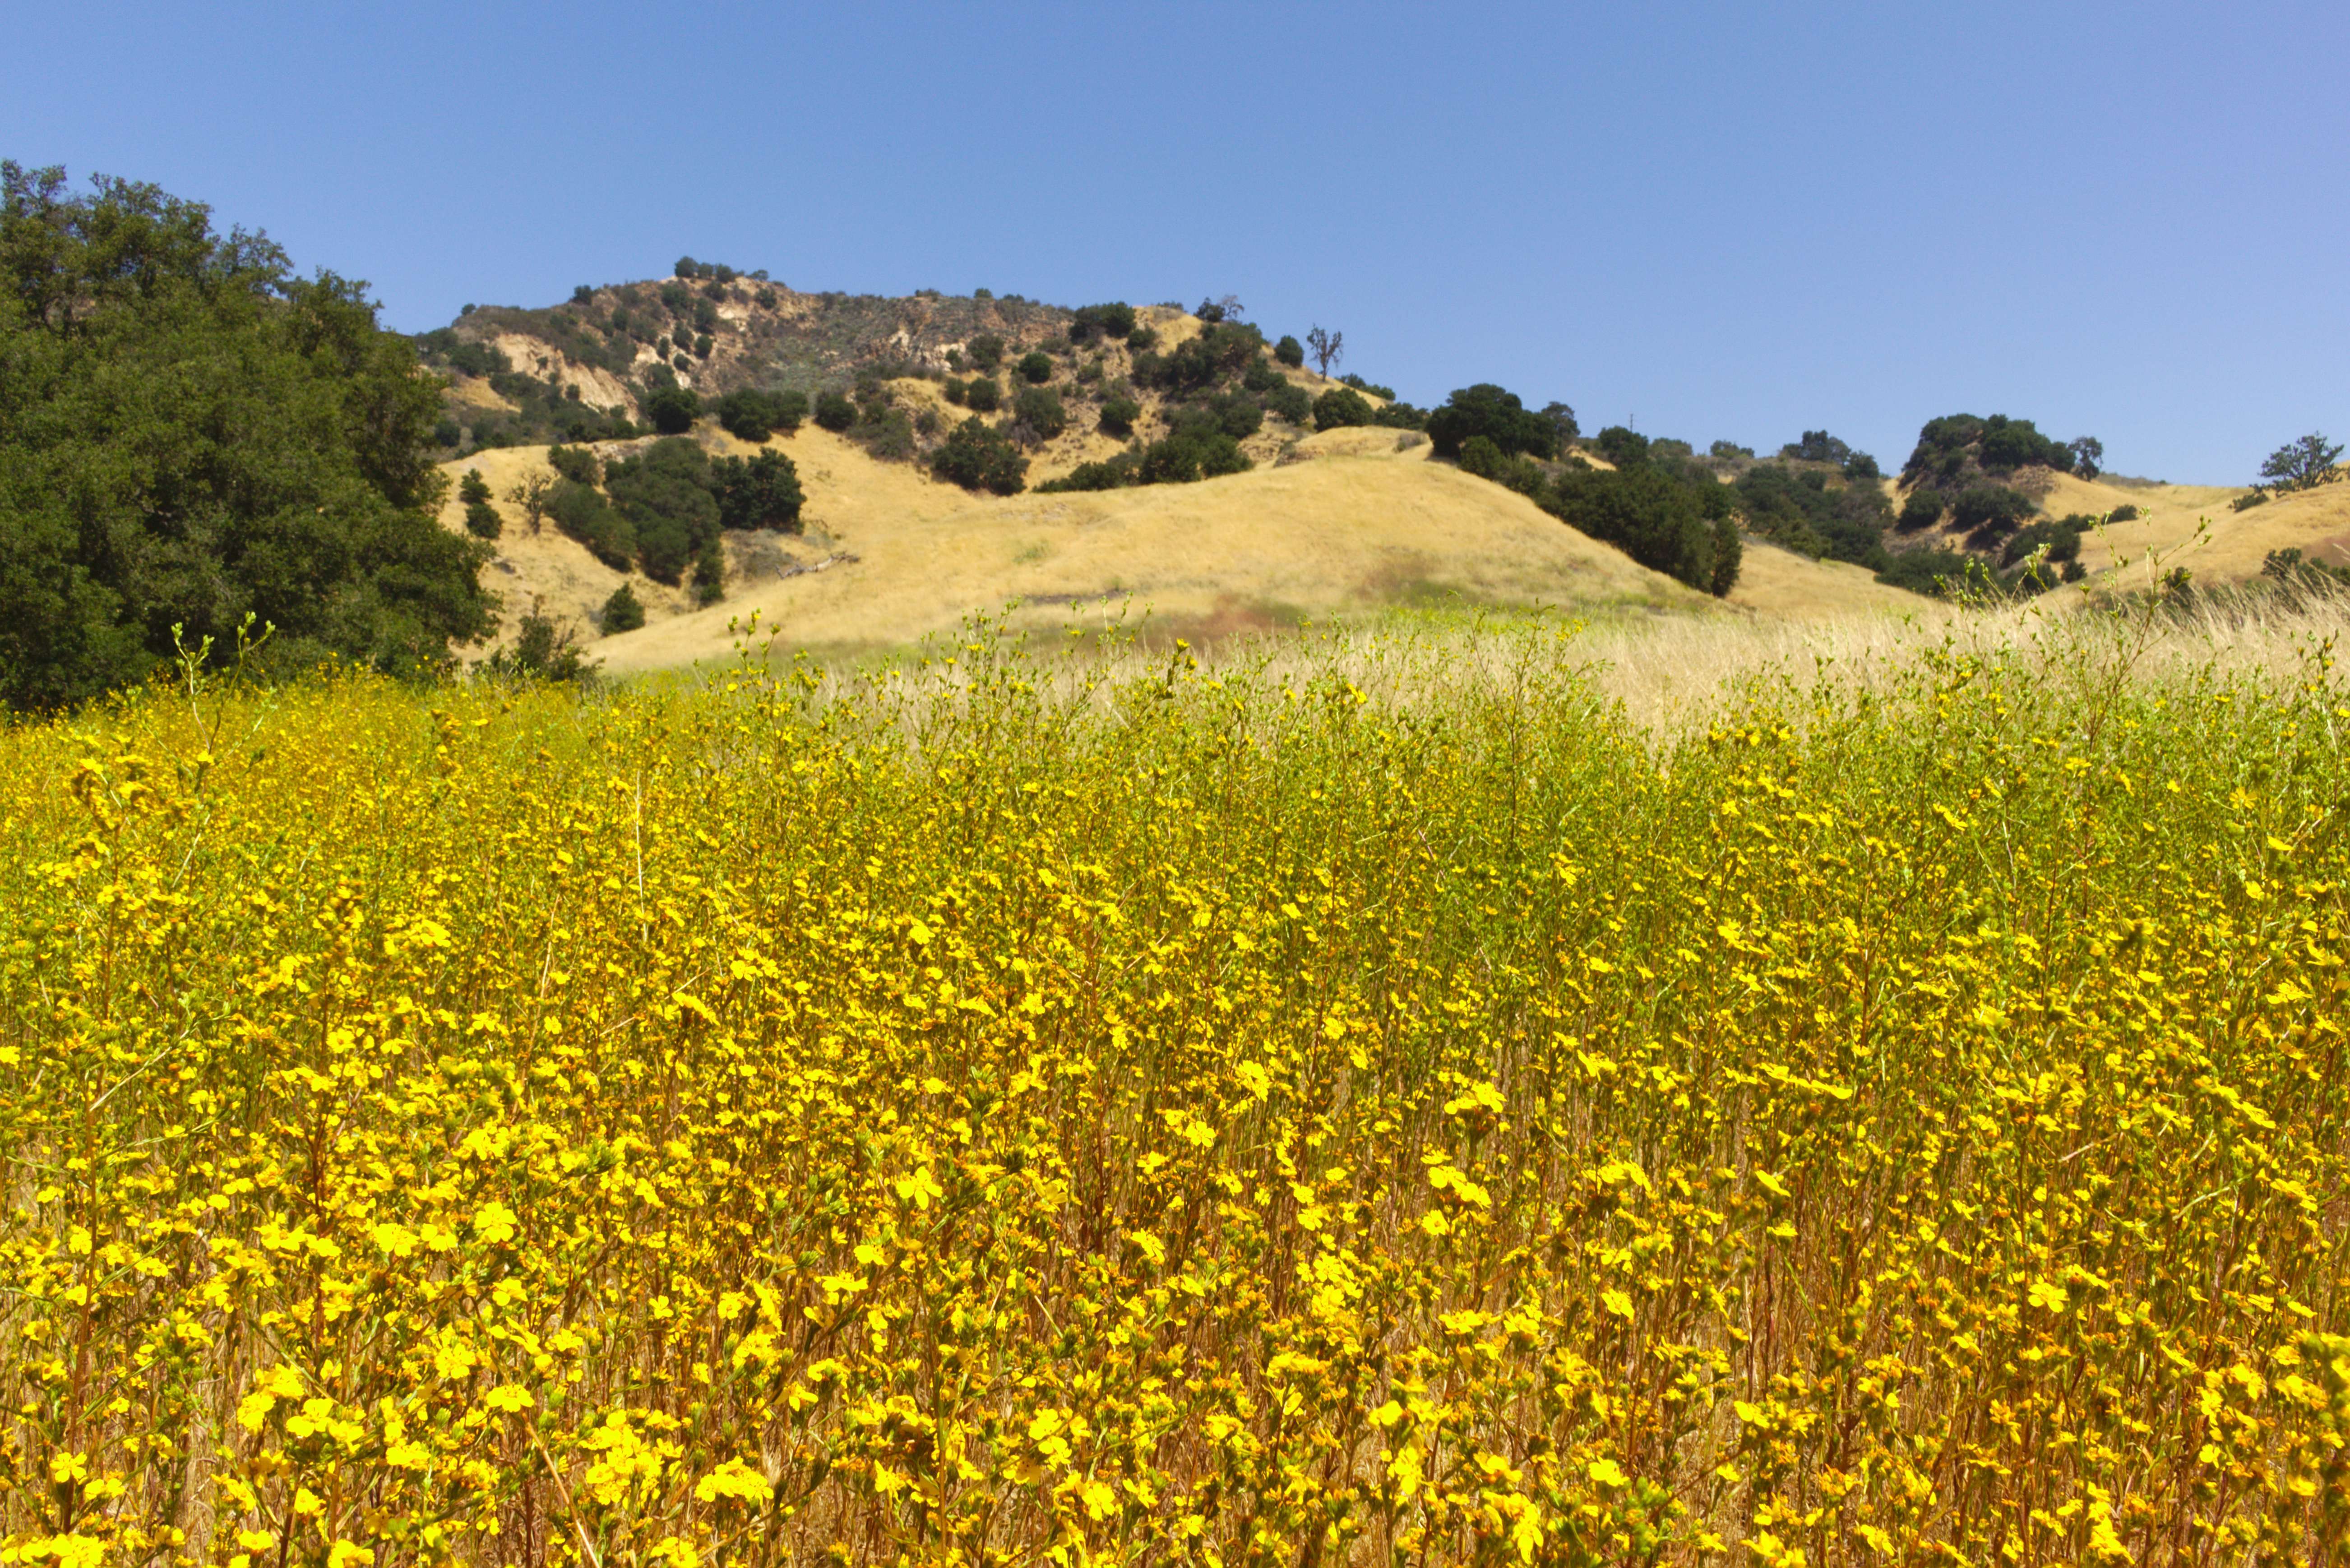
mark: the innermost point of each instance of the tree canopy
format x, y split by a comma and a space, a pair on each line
190, 434
1498, 415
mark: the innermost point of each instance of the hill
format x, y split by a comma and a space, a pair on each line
1346, 524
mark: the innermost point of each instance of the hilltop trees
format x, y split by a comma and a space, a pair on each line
1116, 320
190, 434
1498, 415
1955, 450
2300, 464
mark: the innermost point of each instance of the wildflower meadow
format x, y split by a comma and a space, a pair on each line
1357, 1105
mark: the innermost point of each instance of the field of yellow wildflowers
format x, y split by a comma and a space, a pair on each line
1267, 1113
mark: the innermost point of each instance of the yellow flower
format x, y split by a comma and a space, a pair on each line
736, 1479
398, 1240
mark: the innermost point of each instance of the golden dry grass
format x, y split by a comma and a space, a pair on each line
1274, 546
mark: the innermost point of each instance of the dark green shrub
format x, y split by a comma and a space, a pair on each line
2253, 497
1729, 557
1237, 414
1101, 321
1989, 511
1339, 407
541, 651
1800, 511
621, 612
1399, 416
1480, 457
573, 464
1041, 411
1261, 377
1922, 510
482, 520
749, 415
1119, 415
1142, 340
472, 487
834, 412
665, 492
447, 432
763, 493
710, 572
1937, 573
2062, 537
1952, 449
1036, 368
984, 395
476, 358
986, 351
672, 410
953, 389
2124, 512
1290, 352
978, 456
1494, 413
1292, 402
889, 435
1623, 447
1860, 466
1372, 388
1117, 472
1648, 514
1214, 356
582, 514
1191, 454
1818, 446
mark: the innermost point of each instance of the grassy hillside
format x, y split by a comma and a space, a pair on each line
1344, 524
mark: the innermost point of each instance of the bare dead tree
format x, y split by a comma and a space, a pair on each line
530, 495
1326, 346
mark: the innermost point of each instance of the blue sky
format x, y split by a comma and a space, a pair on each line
1714, 221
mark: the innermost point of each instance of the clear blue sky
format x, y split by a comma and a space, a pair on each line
1717, 219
